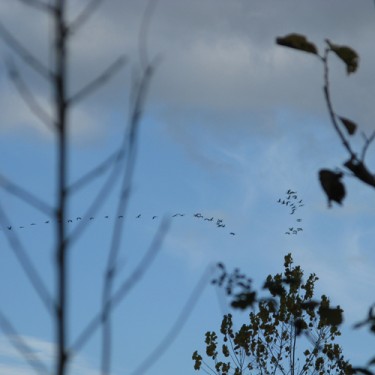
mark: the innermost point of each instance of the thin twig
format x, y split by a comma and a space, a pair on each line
26, 196
20, 345
332, 114
144, 32
178, 324
24, 54
368, 141
28, 97
103, 193
27, 265
125, 287
37, 4
96, 171
83, 17
99, 81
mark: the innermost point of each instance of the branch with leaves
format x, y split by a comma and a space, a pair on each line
331, 181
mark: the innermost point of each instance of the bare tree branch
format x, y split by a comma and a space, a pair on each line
99, 81
96, 171
140, 91
20, 345
83, 17
124, 288
144, 32
178, 325
27, 265
26, 196
368, 141
101, 196
24, 54
37, 4
28, 97
332, 114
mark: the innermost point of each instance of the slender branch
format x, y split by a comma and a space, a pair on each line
37, 4
26, 264
178, 324
61, 109
103, 193
96, 171
368, 141
99, 81
125, 287
144, 32
83, 17
26, 196
20, 345
332, 114
136, 111
28, 97
24, 54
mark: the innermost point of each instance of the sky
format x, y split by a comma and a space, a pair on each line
232, 121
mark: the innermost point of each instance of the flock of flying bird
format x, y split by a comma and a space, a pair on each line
291, 201
218, 222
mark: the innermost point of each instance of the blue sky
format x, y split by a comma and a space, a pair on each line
231, 123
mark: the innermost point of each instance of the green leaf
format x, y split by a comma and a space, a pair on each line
347, 55
350, 126
297, 41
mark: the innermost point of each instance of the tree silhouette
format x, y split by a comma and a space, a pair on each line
274, 339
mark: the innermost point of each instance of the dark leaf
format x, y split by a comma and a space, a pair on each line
350, 126
331, 316
297, 41
347, 55
332, 185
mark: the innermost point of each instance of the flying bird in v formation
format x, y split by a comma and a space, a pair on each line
218, 222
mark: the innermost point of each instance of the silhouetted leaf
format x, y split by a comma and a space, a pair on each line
332, 186
350, 126
347, 55
297, 41
331, 316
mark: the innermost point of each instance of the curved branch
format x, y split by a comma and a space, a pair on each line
27, 266
26, 196
83, 17
332, 114
99, 81
28, 97
24, 54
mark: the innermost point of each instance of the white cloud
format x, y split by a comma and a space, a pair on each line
13, 363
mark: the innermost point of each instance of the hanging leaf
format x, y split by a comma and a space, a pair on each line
297, 41
332, 186
347, 55
350, 126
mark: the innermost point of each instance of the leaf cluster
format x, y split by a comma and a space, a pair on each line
268, 342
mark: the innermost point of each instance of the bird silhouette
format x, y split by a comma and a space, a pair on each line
154, 217
138, 216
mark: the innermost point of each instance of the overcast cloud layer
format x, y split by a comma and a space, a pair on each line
220, 67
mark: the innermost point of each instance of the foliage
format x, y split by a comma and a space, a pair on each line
270, 342
344, 127
355, 165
